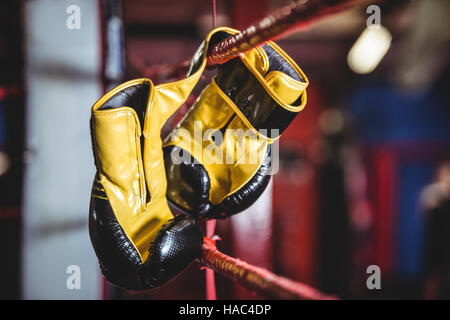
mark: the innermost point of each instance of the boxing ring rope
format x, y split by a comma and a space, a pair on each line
296, 15
258, 280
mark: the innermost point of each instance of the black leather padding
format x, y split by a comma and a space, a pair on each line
178, 242
278, 63
191, 181
119, 260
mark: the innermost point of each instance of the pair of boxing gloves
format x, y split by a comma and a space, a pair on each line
215, 163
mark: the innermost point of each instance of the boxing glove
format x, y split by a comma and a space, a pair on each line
138, 242
218, 158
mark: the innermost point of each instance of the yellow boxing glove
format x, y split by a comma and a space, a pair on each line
218, 159
138, 242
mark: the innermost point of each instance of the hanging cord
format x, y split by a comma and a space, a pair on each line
214, 14
256, 279
211, 293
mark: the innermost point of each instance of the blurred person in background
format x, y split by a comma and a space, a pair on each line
436, 205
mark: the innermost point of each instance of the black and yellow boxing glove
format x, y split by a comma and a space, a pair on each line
218, 158
139, 244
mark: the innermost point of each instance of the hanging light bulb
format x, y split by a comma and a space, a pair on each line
369, 49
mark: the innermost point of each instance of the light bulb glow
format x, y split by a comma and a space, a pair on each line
369, 49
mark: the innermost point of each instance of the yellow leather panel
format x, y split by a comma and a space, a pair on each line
285, 87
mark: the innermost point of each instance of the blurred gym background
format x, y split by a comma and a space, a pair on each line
365, 169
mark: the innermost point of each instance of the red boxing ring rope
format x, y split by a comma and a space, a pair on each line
287, 19
259, 280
